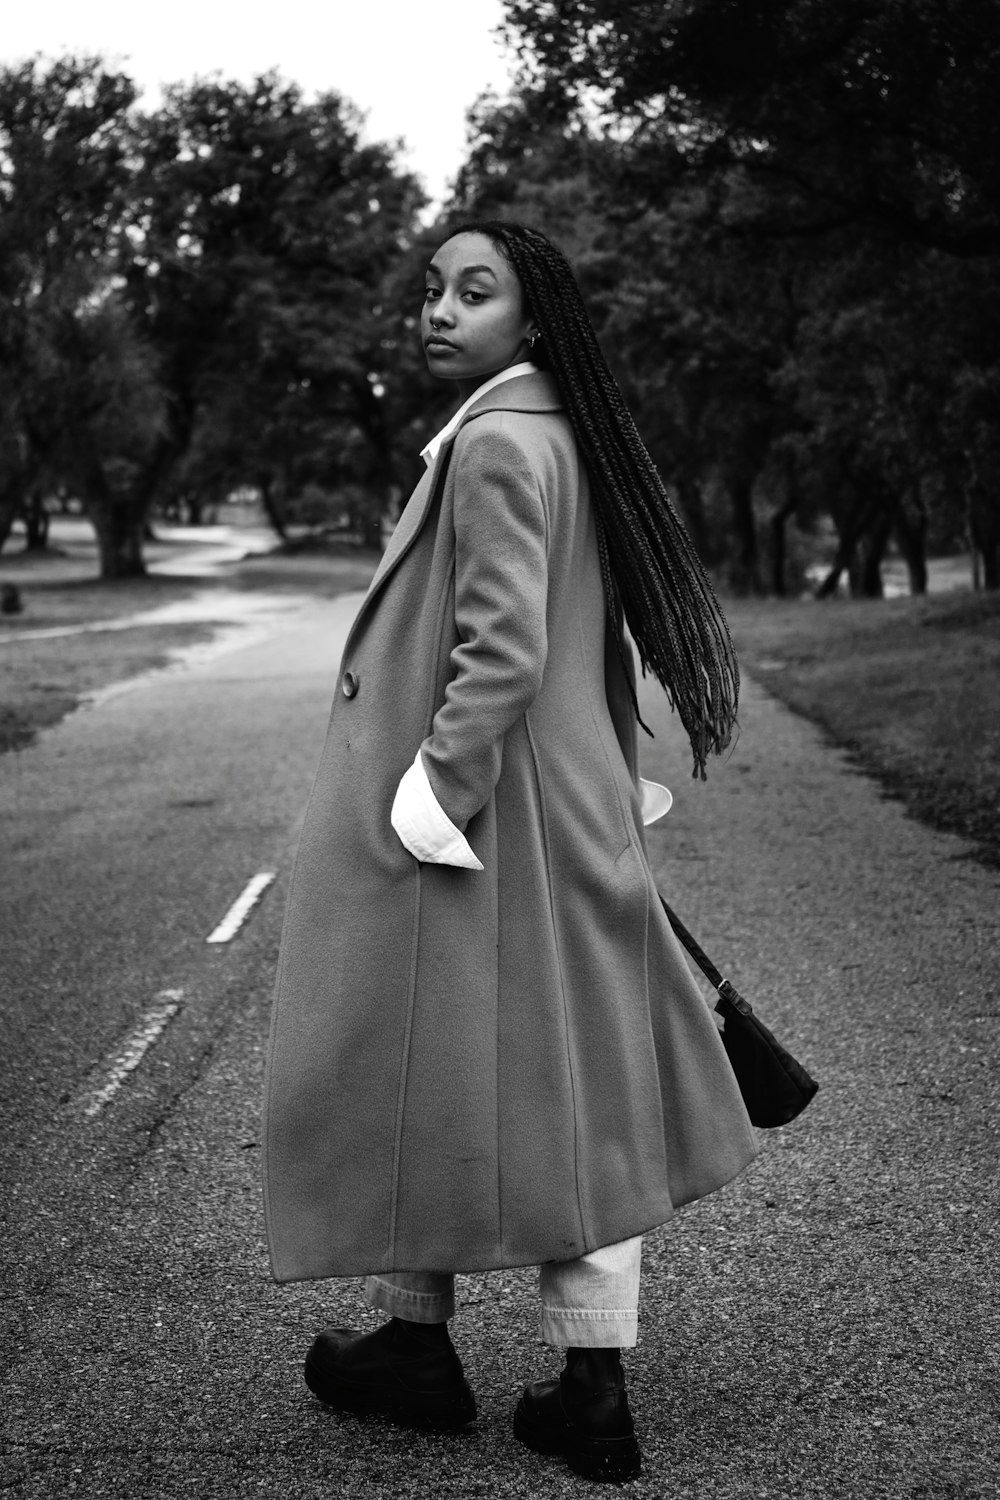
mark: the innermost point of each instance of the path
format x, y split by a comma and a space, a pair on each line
823, 1328
186, 551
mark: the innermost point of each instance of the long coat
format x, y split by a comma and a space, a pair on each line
467, 1069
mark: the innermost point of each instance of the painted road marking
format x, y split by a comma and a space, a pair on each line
133, 1050
241, 908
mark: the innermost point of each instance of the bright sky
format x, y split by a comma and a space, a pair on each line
414, 66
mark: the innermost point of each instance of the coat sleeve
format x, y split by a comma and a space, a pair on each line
501, 589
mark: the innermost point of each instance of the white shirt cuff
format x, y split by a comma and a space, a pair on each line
656, 801
423, 826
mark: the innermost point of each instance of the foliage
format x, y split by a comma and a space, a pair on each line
800, 205
870, 111
785, 216
261, 233
193, 299
79, 397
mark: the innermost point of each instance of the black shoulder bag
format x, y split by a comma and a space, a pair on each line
774, 1086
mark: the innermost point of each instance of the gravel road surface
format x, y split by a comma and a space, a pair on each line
825, 1327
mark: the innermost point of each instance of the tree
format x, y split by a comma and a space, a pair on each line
879, 113
78, 393
694, 322
261, 234
851, 155
191, 298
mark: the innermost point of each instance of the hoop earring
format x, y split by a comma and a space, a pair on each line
533, 340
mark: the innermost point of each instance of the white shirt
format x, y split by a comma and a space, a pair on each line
430, 453
423, 826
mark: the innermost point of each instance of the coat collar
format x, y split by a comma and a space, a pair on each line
525, 393
429, 454
536, 393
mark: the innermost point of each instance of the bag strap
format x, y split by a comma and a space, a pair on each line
728, 993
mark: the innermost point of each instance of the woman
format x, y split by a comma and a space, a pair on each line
487, 1049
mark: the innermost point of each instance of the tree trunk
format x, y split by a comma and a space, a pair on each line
8, 511
984, 529
866, 581
371, 532
911, 534
152, 486
779, 521
119, 529
849, 532
36, 524
744, 566
975, 561
272, 508
828, 587
843, 559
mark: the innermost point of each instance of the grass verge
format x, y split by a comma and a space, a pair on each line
50, 605
42, 681
911, 687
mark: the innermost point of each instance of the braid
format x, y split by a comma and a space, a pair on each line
649, 568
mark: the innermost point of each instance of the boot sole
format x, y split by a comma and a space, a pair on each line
444, 1411
601, 1460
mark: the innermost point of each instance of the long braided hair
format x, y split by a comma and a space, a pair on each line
649, 567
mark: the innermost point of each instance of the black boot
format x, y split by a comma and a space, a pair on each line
583, 1416
406, 1371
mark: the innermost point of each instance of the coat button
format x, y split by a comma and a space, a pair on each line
350, 684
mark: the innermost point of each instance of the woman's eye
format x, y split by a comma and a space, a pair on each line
431, 293
471, 295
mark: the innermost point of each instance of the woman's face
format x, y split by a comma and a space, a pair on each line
474, 321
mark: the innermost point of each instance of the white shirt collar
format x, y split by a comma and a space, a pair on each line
430, 453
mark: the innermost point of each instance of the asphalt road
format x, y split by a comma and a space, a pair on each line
827, 1326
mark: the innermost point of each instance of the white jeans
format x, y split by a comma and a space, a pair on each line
591, 1302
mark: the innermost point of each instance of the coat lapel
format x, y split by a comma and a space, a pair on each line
411, 522
525, 393
407, 530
